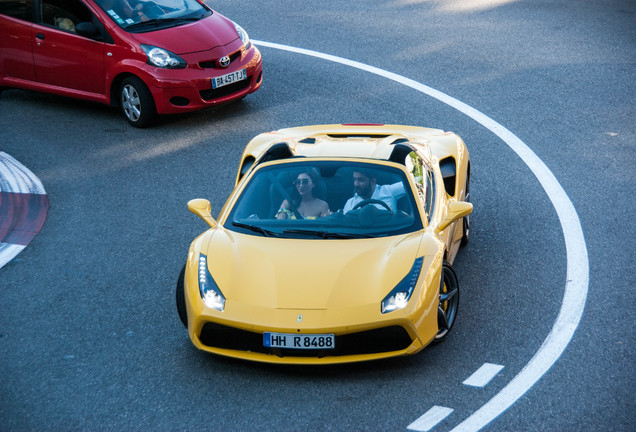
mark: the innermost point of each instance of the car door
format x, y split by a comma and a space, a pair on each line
16, 53
61, 56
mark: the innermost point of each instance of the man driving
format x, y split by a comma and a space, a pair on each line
364, 183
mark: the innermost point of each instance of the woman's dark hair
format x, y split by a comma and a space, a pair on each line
313, 174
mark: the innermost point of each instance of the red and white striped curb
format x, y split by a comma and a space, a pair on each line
23, 207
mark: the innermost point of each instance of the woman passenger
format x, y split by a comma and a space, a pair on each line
303, 199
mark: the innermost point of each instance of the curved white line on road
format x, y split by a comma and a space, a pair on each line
577, 279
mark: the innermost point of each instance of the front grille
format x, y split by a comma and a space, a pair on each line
225, 90
214, 64
380, 340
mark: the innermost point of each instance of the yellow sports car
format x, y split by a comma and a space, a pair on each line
335, 246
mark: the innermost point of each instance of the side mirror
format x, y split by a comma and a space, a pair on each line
202, 208
456, 210
87, 29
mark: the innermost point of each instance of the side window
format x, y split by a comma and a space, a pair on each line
423, 178
430, 187
415, 166
20, 9
65, 14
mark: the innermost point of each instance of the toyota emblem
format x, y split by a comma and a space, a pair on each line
225, 61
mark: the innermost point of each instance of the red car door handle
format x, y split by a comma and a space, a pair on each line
39, 38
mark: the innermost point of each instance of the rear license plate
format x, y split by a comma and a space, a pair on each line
230, 78
299, 341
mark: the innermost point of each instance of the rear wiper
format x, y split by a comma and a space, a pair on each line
266, 233
327, 234
159, 21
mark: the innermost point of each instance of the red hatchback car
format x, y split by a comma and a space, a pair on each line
147, 57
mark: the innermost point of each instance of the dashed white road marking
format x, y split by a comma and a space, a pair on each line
577, 277
483, 375
430, 419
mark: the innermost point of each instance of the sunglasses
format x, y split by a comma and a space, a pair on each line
304, 181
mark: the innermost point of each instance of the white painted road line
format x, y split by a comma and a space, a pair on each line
23, 207
483, 375
8, 252
16, 178
430, 419
578, 267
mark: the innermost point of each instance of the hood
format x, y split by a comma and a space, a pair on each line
308, 274
203, 35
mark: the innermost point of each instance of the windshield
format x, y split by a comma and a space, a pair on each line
135, 15
326, 200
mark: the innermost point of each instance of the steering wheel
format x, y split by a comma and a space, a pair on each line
366, 202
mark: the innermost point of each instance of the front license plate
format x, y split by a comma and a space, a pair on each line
230, 78
299, 341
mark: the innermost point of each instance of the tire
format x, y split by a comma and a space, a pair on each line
180, 297
136, 102
448, 302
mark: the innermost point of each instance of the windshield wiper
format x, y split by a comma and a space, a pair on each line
266, 233
158, 21
327, 234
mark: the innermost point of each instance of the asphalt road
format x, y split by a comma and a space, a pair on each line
89, 335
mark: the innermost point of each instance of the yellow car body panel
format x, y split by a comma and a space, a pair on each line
272, 295
307, 286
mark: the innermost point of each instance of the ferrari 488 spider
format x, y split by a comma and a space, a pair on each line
335, 246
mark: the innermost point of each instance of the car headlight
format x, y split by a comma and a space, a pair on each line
400, 295
163, 58
242, 34
210, 292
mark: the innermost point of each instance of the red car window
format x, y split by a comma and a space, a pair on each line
21, 9
65, 14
